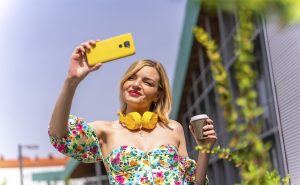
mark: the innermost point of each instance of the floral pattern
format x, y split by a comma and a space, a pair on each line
127, 165
80, 143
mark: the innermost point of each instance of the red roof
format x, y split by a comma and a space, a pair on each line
37, 162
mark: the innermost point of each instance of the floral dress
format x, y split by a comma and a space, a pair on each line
126, 165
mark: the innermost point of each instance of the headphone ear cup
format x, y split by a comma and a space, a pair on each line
149, 120
133, 121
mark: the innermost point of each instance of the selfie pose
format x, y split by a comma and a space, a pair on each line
143, 146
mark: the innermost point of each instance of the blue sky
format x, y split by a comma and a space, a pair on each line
36, 41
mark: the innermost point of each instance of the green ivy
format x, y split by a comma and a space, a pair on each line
246, 149
287, 10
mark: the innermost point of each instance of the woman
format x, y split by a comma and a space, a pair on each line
154, 151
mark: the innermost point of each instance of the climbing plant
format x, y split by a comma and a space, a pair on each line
246, 148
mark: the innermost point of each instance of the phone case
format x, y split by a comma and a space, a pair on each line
110, 49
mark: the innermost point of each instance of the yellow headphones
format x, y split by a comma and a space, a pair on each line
134, 120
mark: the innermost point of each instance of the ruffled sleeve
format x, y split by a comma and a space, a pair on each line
80, 142
189, 166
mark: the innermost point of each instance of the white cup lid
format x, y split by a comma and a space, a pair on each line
200, 116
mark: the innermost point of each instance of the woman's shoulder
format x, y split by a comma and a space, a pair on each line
100, 123
175, 125
101, 126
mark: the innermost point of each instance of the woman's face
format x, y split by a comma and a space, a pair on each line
141, 89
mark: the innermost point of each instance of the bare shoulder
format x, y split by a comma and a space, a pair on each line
99, 123
179, 134
176, 126
101, 126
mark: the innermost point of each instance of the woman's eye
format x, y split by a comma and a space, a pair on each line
131, 78
149, 83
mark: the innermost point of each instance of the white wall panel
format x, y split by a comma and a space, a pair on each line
284, 54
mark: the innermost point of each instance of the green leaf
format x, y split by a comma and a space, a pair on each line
241, 101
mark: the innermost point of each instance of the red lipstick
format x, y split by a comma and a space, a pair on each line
134, 93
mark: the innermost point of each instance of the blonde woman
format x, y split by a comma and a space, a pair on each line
154, 151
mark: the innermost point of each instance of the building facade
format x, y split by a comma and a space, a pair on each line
278, 85
75, 173
10, 170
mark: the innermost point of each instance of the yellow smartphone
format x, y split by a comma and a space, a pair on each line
111, 49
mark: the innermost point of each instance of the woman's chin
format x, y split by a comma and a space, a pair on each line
135, 104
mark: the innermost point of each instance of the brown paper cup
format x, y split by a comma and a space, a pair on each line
198, 122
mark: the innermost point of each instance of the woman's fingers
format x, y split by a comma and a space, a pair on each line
209, 121
79, 50
209, 132
92, 42
96, 67
208, 127
86, 46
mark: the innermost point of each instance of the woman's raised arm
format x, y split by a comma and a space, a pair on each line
78, 70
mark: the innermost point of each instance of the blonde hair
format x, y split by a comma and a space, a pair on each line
163, 106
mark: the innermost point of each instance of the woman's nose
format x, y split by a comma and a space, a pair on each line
136, 84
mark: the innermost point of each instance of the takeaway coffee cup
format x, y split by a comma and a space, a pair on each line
198, 122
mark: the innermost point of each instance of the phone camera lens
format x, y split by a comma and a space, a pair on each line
127, 44
120, 45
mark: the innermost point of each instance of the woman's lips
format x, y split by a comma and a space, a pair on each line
134, 93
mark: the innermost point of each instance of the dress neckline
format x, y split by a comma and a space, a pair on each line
141, 151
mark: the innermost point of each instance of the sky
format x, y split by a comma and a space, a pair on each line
36, 41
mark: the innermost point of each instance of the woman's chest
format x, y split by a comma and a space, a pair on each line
129, 159
142, 140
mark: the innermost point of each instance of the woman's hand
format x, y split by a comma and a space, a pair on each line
79, 67
208, 132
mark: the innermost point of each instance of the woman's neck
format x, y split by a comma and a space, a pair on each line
140, 110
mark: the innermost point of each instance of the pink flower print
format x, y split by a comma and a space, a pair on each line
160, 174
117, 159
55, 145
61, 148
177, 183
79, 126
124, 147
176, 158
119, 179
170, 150
74, 132
144, 179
